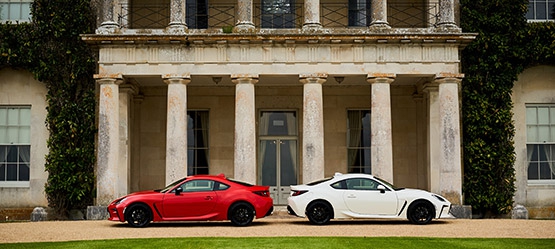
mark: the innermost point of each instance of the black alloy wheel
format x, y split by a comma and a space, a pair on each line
421, 212
138, 215
319, 213
241, 214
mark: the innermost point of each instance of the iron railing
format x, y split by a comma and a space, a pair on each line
333, 15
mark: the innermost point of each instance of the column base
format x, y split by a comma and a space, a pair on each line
379, 26
312, 27
244, 28
177, 28
447, 27
110, 27
97, 213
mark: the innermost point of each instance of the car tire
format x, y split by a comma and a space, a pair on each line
138, 215
241, 214
319, 213
421, 212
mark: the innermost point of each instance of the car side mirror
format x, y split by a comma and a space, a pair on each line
381, 188
178, 191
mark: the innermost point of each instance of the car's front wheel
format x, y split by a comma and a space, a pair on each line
421, 212
319, 213
241, 214
138, 215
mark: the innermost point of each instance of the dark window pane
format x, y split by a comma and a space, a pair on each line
12, 154
545, 171
24, 172
533, 173
2, 172
12, 172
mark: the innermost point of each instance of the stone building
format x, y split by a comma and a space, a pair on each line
290, 93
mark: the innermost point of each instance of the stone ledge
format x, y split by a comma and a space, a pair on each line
14, 214
97, 213
461, 211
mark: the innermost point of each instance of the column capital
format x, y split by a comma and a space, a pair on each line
318, 78
430, 87
177, 78
449, 78
386, 78
108, 79
244, 78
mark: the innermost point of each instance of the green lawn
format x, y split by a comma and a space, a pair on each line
296, 243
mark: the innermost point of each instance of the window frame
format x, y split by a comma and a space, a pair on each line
361, 168
192, 150
9, 18
550, 13
18, 143
550, 141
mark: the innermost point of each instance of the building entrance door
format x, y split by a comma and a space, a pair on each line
278, 153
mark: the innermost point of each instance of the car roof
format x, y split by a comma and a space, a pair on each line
351, 175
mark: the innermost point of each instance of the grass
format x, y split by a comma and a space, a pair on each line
296, 243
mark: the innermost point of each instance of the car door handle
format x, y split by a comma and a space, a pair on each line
208, 198
351, 196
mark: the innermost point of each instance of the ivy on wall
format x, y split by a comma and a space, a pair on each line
505, 46
50, 47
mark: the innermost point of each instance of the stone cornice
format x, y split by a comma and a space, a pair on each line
341, 36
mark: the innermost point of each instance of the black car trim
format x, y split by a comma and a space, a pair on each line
156, 209
403, 208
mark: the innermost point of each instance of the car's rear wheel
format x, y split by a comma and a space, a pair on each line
421, 212
241, 214
319, 213
138, 215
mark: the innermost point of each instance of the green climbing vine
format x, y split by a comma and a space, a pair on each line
50, 47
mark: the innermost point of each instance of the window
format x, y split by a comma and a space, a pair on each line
540, 135
358, 141
359, 13
540, 10
15, 10
356, 184
15, 130
197, 14
198, 186
197, 143
278, 14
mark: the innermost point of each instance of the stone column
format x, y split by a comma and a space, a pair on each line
245, 128
380, 123
244, 16
125, 127
108, 139
312, 15
447, 15
313, 126
177, 17
450, 137
433, 158
379, 14
108, 25
176, 131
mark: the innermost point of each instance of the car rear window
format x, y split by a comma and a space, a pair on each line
319, 181
240, 182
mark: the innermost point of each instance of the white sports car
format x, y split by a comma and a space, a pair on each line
364, 196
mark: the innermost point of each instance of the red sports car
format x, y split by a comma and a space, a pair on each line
195, 198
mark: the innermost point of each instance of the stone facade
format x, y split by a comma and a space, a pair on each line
533, 87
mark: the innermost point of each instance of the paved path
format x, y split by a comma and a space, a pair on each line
275, 226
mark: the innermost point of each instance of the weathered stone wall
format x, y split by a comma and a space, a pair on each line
18, 87
534, 86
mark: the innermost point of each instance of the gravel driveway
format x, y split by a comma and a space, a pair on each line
275, 226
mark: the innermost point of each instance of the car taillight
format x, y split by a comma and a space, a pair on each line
262, 193
298, 192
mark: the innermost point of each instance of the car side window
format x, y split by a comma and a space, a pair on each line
198, 186
221, 186
339, 185
362, 184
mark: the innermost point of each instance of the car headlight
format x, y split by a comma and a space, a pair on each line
120, 201
440, 198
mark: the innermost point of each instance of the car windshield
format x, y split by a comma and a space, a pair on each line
389, 184
167, 188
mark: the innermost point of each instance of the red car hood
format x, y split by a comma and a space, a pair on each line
146, 192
